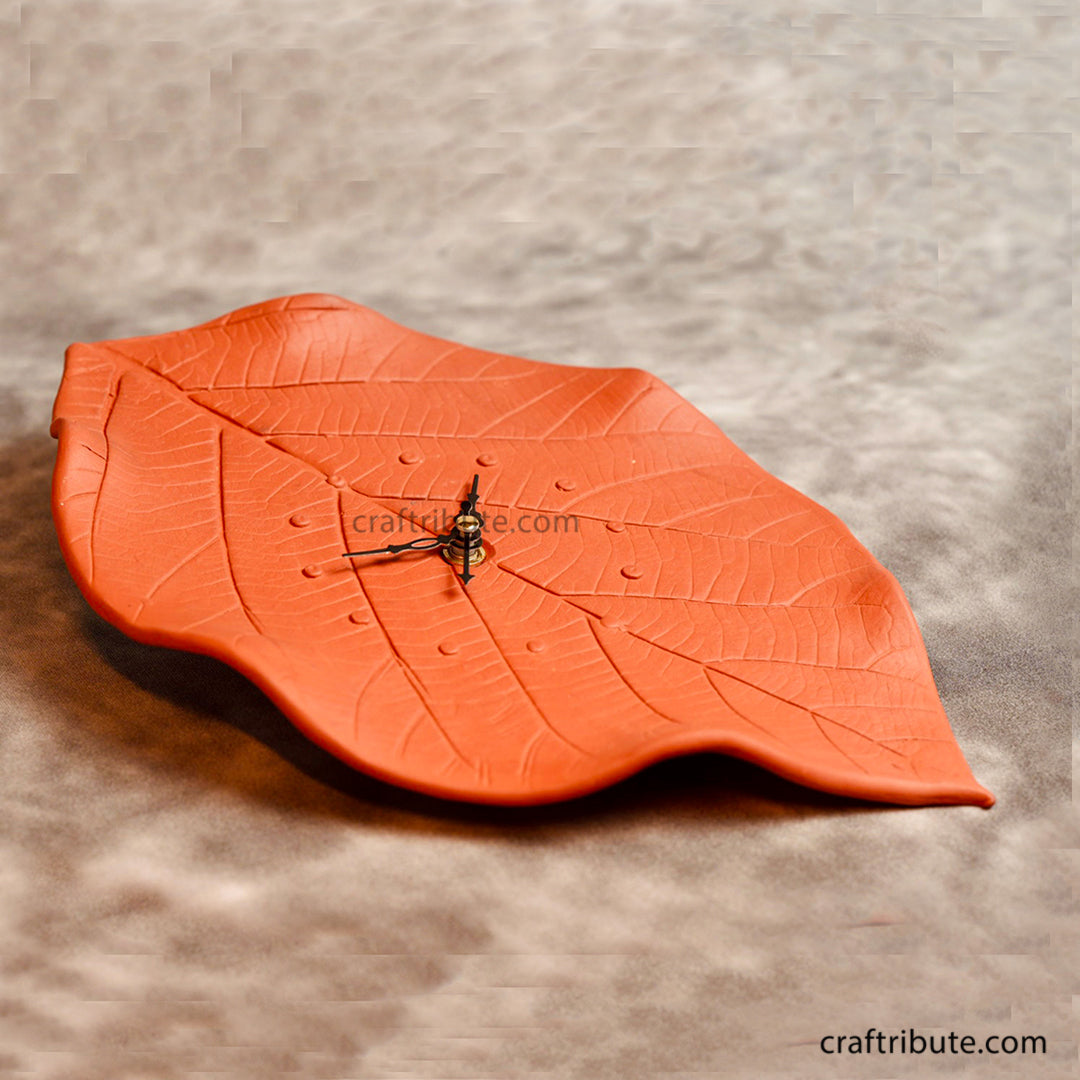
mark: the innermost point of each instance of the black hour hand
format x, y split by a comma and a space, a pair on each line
469, 505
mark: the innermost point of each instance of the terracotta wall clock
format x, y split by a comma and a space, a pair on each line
483, 577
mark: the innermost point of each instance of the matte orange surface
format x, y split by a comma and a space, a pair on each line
208, 480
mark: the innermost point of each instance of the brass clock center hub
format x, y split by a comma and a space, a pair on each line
466, 534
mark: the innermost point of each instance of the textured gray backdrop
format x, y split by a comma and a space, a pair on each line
843, 230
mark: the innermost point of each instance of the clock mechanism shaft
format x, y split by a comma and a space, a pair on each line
465, 549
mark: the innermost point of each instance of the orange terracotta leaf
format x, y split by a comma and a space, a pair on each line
651, 592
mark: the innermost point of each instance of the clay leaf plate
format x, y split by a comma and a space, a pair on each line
208, 481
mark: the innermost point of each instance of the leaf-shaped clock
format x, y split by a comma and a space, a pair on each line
651, 591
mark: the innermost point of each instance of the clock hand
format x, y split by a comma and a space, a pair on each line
461, 547
466, 548
466, 576
469, 505
469, 508
425, 543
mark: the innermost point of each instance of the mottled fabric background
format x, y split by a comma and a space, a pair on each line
842, 230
